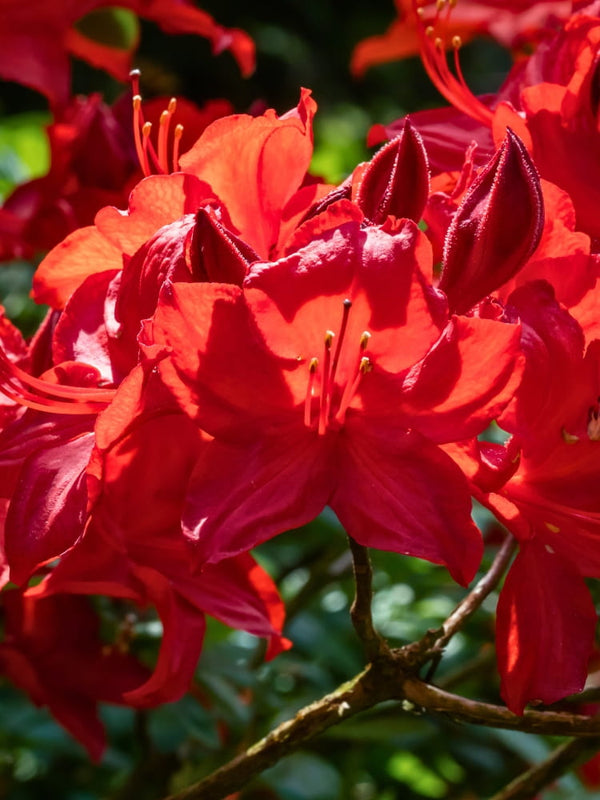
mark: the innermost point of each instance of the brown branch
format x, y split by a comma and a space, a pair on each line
360, 611
552, 723
367, 689
477, 595
566, 757
390, 676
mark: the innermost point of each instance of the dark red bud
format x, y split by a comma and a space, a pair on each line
396, 180
495, 229
217, 255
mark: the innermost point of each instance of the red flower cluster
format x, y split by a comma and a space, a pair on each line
246, 345
542, 483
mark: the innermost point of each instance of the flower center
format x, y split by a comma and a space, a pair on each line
592, 428
326, 404
154, 159
435, 40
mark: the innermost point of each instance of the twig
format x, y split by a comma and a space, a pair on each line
477, 595
567, 756
360, 611
552, 723
367, 689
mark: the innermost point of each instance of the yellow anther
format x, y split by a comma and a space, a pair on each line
314, 363
456, 42
329, 335
172, 105
439, 43
146, 129
429, 30
552, 528
366, 365
569, 438
364, 340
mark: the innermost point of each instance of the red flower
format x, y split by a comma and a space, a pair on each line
543, 487
221, 172
331, 378
514, 23
37, 38
40, 213
52, 650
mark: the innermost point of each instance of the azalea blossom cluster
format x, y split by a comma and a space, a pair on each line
232, 345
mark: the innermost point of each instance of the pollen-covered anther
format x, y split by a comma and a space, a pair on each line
456, 42
569, 438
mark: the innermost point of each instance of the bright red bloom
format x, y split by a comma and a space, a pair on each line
513, 23
331, 377
40, 213
549, 100
221, 173
543, 487
37, 38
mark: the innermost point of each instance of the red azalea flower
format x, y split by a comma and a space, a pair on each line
331, 377
543, 488
37, 38
513, 23
549, 100
221, 173
52, 650
40, 213
136, 550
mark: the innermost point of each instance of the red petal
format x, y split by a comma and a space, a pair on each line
536, 628
465, 380
82, 253
407, 496
255, 164
240, 496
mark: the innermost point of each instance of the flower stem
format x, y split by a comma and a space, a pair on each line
566, 757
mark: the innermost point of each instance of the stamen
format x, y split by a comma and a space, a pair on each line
326, 383
42, 395
365, 365
593, 426
452, 87
177, 134
138, 124
163, 133
312, 369
151, 160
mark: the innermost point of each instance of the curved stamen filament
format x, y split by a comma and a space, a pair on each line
177, 134
327, 367
326, 383
433, 55
42, 395
163, 133
312, 370
138, 124
152, 159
